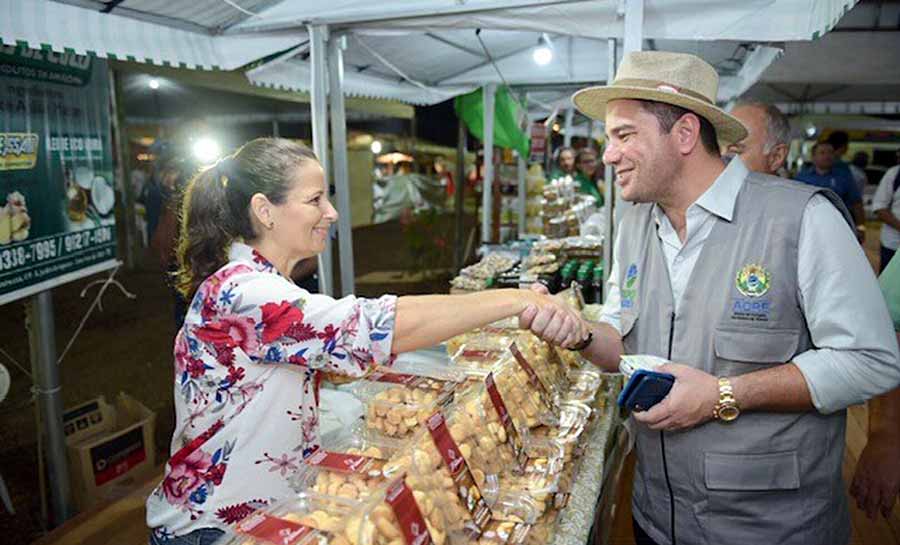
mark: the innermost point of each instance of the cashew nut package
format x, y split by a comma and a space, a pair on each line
396, 403
352, 467
304, 520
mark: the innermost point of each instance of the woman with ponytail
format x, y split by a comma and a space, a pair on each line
254, 346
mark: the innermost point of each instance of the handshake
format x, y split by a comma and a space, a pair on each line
553, 320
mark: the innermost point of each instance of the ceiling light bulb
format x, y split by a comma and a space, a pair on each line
542, 55
376, 147
206, 150
154, 84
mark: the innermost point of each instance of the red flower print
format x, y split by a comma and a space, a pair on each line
235, 374
238, 512
225, 356
185, 477
258, 258
301, 331
329, 333
230, 332
297, 359
277, 318
195, 367
216, 473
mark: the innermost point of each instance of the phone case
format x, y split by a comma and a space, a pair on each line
645, 389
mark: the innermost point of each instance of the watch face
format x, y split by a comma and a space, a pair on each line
727, 413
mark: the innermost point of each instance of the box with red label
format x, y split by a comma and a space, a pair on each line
307, 519
397, 403
110, 448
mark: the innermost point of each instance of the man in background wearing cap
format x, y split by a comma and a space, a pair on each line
773, 338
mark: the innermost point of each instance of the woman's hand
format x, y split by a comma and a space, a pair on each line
552, 319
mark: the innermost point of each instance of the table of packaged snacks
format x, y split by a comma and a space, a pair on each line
500, 439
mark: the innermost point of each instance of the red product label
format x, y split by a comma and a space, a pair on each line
466, 487
481, 355
506, 421
117, 456
533, 377
341, 462
412, 524
273, 529
395, 378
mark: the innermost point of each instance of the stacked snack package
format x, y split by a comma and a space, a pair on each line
397, 403
305, 520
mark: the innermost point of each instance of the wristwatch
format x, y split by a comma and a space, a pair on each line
726, 409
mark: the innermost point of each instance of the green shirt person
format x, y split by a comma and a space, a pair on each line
876, 483
587, 176
565, 163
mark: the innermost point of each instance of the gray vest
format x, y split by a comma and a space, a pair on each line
767, 478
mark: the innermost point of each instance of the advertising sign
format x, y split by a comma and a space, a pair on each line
57, 195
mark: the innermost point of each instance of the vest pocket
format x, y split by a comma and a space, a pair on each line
752, 498
756, 345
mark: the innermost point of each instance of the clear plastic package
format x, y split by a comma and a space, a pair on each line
396, 403
307, 519
574, 418
351, 467
584, 384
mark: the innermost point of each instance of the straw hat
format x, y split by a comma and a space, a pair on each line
673, 78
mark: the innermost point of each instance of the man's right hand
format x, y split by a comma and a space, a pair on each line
552, 319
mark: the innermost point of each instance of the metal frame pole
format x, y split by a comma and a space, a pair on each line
570, 116
489, 92
117, 118
459, 197
42, 339
318, 36
634, 26
609, 190
336, 47
522, 168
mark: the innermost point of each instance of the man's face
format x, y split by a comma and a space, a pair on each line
567, 161
645, 159
751, 150
823, 156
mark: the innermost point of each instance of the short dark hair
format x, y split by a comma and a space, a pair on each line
839, 139
669, 114
821, 143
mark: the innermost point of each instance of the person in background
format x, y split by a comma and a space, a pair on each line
589, 175
565, 163
840, 140
254, 347
765, 149
823, 174
173, 176
876, 482
886, 204
722, 272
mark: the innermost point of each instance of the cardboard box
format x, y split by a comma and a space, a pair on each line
110, 448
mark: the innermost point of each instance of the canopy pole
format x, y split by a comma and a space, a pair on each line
276, 129
570, 116
459, 197
609, 193
522, 168
489, 92
336, 47
318, 35
42, 340
122, 174
634, 26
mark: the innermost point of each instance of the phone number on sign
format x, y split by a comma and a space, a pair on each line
51, 248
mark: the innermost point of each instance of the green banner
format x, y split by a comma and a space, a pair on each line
507, 134
57, 195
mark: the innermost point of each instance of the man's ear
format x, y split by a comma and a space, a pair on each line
687, 133
777, 157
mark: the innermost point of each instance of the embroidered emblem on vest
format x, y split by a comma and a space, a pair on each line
753, 281
629, 291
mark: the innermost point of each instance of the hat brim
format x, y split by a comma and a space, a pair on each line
592, 102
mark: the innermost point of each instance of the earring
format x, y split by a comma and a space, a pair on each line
271, 225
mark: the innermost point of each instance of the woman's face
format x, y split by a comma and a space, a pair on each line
587, 164
303, 219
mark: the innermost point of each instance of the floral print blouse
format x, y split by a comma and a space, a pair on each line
248, 363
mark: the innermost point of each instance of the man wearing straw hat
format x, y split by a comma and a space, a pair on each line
773, 318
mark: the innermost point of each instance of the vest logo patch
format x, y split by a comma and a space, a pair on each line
629, 291
754, 310
752, 281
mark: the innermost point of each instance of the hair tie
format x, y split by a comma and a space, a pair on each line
225, 168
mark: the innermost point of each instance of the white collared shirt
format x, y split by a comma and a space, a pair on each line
855, 355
